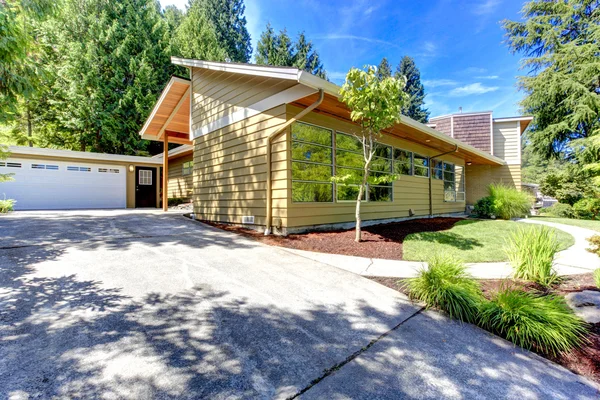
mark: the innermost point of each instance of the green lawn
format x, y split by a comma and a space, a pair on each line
582, 223
471, 241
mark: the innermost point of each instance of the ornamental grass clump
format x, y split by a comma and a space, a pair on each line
543, 323
446, 285
6, 205
509, 202
531, 253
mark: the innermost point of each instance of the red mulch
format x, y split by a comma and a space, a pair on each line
583, 361
379, 241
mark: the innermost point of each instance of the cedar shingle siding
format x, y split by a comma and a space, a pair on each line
443, 125
474, 130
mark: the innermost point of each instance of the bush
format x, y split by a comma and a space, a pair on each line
531, 253
544, 323
588, 208
595, 242
175, 201
484, 207
7, 205
447, 286
509, 202
560, 210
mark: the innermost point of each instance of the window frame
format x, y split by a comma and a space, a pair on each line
455, 184
187, 168
427, 167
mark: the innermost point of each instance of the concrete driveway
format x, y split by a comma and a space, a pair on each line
140, 304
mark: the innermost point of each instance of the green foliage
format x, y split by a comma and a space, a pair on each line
568, 185
559, 40
175, 201
484, 207
595, 243
227, 17
560, 210
509, 202
6, 205
597, 276
280, 50
384, 69
531, 254
413, 107
587, 208
3, 156
196, 36
446, 285
543, 323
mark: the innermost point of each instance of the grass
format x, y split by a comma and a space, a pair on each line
446, 285
544, 323
582, 223
531, 254
471, 241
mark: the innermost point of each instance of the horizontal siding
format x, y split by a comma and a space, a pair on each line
230, 170
409, 192
507, 141
218, 94
478, 178
179, 185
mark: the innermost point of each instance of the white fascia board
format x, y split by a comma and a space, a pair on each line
37, 151
286, 96
159, 102
460, 115
317, 83
288, 73
511, 119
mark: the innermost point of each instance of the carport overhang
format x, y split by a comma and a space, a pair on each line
169, 122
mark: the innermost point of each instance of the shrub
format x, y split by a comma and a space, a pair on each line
544, 323
588, 208
597, 277
6, 205
531, 253
509, 202
560, 210
484, 207
175, 201
595, 242
447, 286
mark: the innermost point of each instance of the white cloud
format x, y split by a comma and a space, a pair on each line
439, 82
337, 36
475, 70
486, 7
487, 77
472, 89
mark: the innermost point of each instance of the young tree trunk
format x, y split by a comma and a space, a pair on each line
361, 191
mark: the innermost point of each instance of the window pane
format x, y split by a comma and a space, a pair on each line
349, 192
310, 133
311, 172
449, 185
420, 160
348, 142
312, 192
380, 193
381, 164
382, 150
421, 171
449, 196
460, 196
380, 179
449, 176
448, 167
402, 155
402, 162
347, 159
402, 168
311, 152
350, 175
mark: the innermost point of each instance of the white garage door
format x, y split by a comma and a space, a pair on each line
50, 185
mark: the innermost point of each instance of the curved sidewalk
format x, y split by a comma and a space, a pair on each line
572, 261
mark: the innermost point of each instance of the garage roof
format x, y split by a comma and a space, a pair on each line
38, 151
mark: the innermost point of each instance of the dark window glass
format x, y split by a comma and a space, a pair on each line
380, 193
311, 133
311, 152
308, 192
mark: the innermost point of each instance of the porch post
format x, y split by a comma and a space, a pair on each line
165, 182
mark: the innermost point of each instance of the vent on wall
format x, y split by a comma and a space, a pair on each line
248, 219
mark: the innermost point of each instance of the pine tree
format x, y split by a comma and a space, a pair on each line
384, 69
196, 36
413, 108
280, 50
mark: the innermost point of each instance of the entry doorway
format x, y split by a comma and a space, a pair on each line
145, 187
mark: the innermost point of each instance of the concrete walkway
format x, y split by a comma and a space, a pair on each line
572, 261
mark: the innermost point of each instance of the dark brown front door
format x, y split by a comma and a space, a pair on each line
145, 187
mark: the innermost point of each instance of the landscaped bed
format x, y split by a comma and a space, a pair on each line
472, 240
585, 360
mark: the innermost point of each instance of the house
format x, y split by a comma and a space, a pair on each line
263, 143
62, 179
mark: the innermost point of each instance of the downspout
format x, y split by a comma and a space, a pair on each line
431, 176
270, 139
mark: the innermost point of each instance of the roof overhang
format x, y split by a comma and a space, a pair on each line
177, 152
16, 151
171, 114
524, 121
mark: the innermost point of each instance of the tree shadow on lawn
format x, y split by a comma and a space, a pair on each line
61, 337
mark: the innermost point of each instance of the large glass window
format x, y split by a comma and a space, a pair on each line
312, 163
437, 169
402, 162
421, 165
187, 168
454, 182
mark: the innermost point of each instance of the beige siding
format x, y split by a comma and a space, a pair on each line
217, 94
409, 192
478, 177
507, 141
180, 185
230, 170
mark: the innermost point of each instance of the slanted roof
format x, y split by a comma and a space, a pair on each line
524, 121
39, 151
171, 113
179, 151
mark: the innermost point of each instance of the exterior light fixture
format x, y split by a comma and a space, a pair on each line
427, 140
469, 163
130, 167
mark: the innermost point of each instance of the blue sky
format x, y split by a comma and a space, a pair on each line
457, 45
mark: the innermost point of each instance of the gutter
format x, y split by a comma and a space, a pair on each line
431, 176
270, 139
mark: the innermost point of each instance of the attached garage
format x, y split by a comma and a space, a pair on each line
49, 179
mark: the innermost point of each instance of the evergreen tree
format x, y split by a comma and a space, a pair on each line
384, 69
559, 40
280, 50
412, 108
196, 36
227, 16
